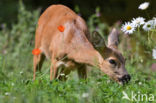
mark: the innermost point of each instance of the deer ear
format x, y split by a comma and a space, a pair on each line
113, 39
97, 40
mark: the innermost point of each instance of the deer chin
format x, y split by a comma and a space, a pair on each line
120, 80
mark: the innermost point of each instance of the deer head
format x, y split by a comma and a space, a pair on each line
114, 62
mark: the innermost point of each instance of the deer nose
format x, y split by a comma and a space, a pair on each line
125, 79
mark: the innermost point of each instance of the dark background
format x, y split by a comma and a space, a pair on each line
111, 10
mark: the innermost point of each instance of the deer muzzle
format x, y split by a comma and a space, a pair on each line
124, 79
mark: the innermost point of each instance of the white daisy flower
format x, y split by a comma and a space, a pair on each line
154, 54
7, 93
154, 20
148, 25
140, 83
12, 84
128, 28
143, 6
21, 72
137, 22
85, 95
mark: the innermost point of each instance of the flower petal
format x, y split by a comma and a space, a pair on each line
36, 51
61, 28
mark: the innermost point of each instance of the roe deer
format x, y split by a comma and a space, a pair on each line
72, 47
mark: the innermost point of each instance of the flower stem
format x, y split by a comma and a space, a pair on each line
139, 31
147, 14
148, 38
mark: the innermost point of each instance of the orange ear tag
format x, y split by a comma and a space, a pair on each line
36, 51
61, 28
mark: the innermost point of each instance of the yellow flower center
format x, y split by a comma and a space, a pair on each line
148, 25
129, 28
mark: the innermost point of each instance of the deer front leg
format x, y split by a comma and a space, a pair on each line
37, 63
53, 68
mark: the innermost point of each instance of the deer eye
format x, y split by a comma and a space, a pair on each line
111, 61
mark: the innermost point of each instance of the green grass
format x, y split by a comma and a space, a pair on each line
16, 70
18, 87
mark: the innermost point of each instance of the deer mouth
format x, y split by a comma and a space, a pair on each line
124, 79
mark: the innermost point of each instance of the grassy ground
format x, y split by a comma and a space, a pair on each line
16, 85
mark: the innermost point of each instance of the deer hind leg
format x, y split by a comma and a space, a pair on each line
37, 63
82, 71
